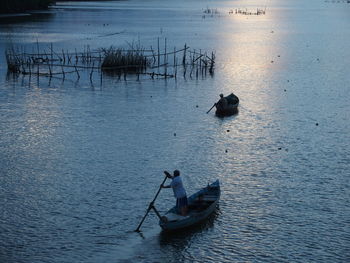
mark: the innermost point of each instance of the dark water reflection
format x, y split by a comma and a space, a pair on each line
43, 16
81, 159
182, 237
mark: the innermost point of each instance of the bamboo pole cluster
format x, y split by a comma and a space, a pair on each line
127, 60
159, 62
248, 12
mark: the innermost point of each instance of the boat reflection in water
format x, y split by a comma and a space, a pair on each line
184, 235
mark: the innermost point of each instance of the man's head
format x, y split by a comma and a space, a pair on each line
176, 173
221, 95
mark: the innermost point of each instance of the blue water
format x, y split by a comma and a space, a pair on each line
80, 161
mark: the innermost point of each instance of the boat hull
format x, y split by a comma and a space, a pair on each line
232, 107
196, 214
230, 110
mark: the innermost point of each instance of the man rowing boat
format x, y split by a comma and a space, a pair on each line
222, 104
179, 192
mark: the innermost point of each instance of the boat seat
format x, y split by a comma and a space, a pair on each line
210, 198
174, 217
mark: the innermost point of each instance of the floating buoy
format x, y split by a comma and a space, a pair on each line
228, 130
316, 123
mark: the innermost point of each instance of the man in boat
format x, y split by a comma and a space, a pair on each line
222, 104
179, 191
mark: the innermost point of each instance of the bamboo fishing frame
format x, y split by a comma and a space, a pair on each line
48, 62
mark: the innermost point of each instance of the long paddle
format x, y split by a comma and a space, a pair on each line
211, 108
150, 205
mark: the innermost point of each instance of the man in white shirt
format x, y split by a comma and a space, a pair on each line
179, 192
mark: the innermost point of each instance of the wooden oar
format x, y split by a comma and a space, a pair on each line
150, 205
211, 108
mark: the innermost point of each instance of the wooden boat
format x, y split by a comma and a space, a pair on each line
200, 206
232, 107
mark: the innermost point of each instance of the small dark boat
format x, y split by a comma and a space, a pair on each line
232, 107
200, 206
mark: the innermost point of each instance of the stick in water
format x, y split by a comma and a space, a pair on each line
211, 108
150, 205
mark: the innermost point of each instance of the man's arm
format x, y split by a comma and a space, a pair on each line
168, 174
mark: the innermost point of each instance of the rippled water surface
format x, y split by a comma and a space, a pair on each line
80, 161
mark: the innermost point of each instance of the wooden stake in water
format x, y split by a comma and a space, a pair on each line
64, 75
76, 70
184, 56
165, 60
158, 54
92, 70
51, 52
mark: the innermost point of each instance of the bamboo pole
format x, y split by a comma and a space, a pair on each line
92, 70
76, 70
165, 56
158, 54
184, 56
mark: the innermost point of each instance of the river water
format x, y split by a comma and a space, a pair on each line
81, 160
